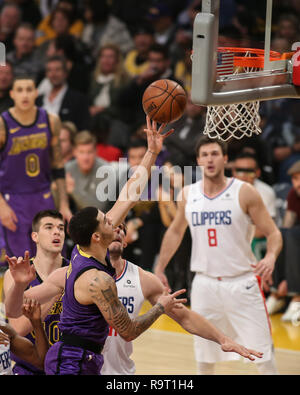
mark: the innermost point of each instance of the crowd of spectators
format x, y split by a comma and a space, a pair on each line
92, 61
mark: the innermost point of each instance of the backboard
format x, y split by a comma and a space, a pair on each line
213, 80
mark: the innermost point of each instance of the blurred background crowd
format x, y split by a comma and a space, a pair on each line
92, 61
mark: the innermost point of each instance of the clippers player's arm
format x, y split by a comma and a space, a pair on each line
173, 237
8, 217
252, 204
191, 321
102, 291
134, 187
58, 171
21, 346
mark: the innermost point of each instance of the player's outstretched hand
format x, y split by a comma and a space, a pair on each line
21, 269
230, 346
169, 301
155, 138
31, 309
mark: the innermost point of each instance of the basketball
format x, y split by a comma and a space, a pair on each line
164, 101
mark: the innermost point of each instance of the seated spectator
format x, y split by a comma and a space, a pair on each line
77, 62
6, 80
101, 27
10, 18
69, 104
30, 11
136, 60
288, 28
101, 129
81, 174
68, 132
24, 57
108, 79
161, 17
287, 270
246, 168
183, 67
130, 103
62, 20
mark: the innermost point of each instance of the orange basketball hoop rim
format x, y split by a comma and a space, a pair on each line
250, 57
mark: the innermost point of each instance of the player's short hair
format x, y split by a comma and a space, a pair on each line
85, 137
205, 140
82, 226
23, 76
42, 214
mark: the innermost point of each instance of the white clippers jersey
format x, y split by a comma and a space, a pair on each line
221, 231
5, 361
116, 350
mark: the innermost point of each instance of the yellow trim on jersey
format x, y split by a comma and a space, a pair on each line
83, 253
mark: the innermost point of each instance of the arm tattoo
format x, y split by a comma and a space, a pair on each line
106, 298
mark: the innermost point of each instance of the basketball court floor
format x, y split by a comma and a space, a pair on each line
167, 349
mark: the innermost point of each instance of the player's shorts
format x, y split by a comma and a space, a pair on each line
236, 306
62, 359
25, 207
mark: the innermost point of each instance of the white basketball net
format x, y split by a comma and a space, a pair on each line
233, 120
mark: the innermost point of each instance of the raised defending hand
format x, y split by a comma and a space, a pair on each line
31, 309
230, 346
155, 138
21, 269
169, 301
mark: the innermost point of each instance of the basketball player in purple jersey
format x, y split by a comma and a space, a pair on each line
48, 235
90, 301
29, 159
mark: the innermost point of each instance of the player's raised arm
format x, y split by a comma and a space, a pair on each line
103, 292
19, 276
134, 187
24, 348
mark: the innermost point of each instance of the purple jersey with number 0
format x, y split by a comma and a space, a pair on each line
25, 159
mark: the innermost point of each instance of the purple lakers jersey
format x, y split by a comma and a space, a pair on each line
51, 328
25, 158
85, 321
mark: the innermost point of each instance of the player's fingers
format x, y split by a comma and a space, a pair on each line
161, 128
181, 302
168, 133
26, 256
148, 121
179, 292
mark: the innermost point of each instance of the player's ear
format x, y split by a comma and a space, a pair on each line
96, 237
34, 236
